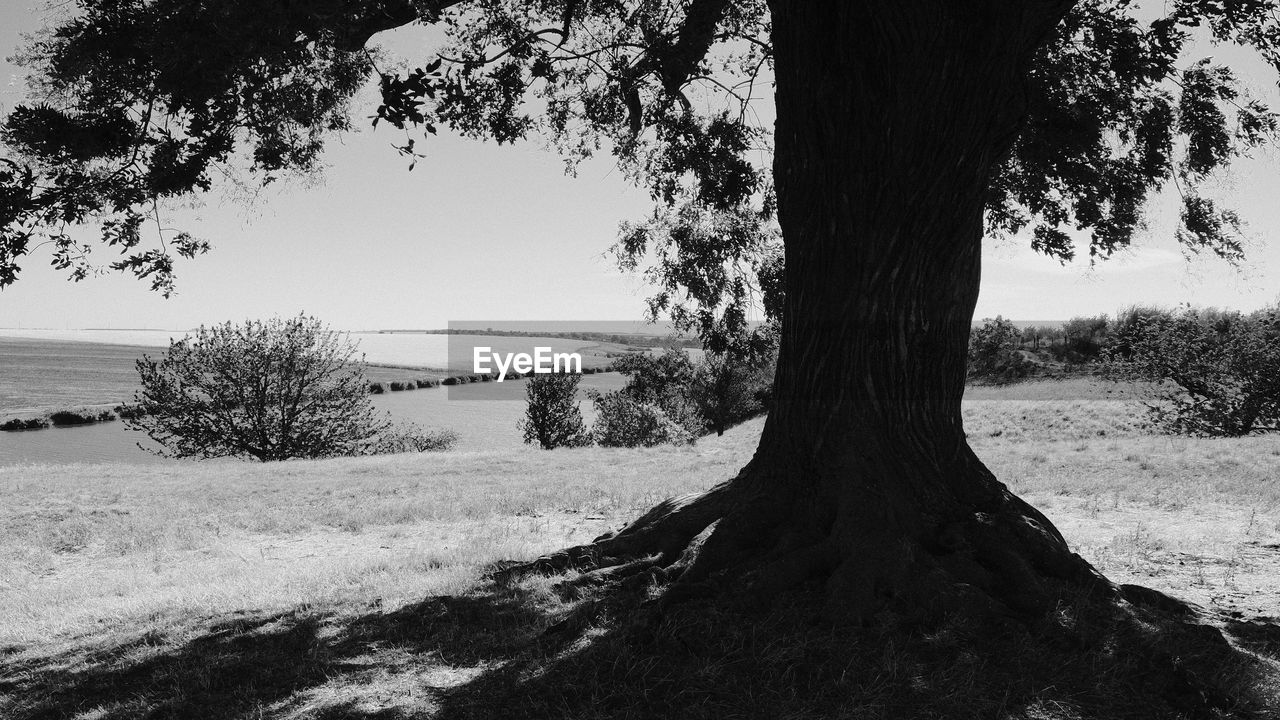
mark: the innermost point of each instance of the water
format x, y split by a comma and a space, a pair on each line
481, 422
41, 370
418, 350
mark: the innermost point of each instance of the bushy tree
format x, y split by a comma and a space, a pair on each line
663, 381
994, 351
1127, 328
268, 390
1083, 339
727, 391
552, 416
625, 421
671, 398
1213, 373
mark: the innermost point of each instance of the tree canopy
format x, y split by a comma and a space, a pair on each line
135, 102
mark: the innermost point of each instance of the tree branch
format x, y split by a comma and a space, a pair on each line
386, 15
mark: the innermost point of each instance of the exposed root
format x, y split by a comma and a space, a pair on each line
752, 539
995, 569
665, 531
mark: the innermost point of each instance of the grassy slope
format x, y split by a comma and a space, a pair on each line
297, 589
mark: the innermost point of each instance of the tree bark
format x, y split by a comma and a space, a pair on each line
892, 119
893, 116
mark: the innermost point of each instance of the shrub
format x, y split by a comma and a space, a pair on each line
397, 386
65, 418
727, 391
106, 416
665, 381
269, 390
453, 381
552, 416
623, 421
128, 412
1215, 373
423, 383
1083, 337
1127, 328
994, 351
27, 424
411, 438
377, 388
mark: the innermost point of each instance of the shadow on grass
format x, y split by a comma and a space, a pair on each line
508, 653
263, 665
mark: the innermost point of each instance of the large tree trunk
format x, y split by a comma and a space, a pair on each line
892, 118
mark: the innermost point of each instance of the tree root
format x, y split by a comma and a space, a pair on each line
1004, 560
994, 572
666, 531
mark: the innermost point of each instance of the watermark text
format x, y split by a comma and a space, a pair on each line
541, 361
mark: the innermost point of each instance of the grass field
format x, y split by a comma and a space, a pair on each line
353, 588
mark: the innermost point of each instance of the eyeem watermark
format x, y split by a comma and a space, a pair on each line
542, 361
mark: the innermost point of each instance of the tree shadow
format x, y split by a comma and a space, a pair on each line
506, 652
705, 660
261, 664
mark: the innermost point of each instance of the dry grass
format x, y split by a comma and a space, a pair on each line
351, 588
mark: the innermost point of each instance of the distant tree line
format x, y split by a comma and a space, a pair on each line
1000, 350
640, 340
1206, 371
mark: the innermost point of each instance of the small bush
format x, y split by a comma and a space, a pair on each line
622, 421
995, 354
66, 418
423, 383
553, 417
377, 388
128, 412
411, 438
28, 424
451, 381
397, 386
106, 416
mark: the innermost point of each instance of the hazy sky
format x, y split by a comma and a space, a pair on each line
482, 232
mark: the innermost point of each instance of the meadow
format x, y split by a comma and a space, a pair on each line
356, 587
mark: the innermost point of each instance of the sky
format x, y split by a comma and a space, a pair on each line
482, 232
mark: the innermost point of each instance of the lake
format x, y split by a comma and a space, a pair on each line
481, 424
57, 370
